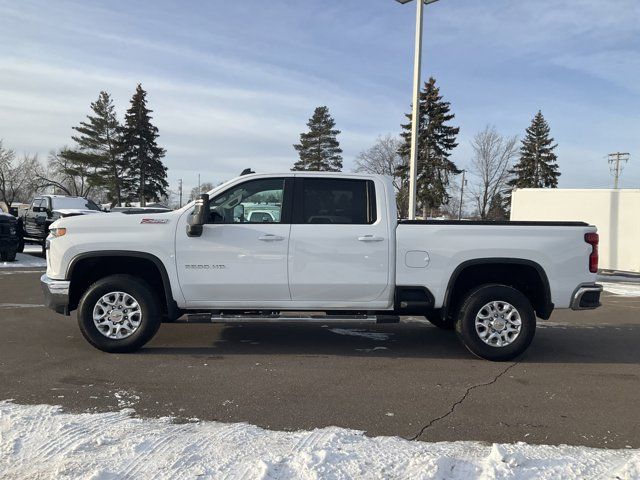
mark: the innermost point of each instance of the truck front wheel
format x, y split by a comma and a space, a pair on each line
118, 314
496, 322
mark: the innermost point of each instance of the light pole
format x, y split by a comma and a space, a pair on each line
413, 161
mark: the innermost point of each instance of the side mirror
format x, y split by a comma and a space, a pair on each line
199, 216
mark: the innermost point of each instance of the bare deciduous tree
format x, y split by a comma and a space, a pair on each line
383, 159
493, 156
204, 188
17, 177
65, 175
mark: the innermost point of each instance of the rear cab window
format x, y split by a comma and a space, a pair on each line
333, 201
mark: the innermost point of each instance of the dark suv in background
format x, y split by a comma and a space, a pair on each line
46, 209
9, 237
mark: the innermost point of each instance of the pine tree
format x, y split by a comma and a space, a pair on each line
538, 165
319, 149
436, 140
98, 142
140, 150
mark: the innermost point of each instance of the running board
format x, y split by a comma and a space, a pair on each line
286, 318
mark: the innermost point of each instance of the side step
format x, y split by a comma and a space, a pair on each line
287, 317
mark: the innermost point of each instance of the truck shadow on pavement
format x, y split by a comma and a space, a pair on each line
553, 343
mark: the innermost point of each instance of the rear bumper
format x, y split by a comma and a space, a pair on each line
586, 297
56, 294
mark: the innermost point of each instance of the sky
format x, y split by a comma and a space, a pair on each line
233, 84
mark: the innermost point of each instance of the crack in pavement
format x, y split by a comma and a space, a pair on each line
458, 402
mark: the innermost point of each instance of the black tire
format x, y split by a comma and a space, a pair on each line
143, 295
44, 248
21, 246
10, 256
472, 306
3, 256
436, 320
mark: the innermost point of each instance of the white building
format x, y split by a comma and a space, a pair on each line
616, 213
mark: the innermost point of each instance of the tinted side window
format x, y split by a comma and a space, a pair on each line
255, 201
335, 201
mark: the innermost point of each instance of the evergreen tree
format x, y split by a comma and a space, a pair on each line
98, 140
141, 152
319, 149
436, 140
497, 209
538, 165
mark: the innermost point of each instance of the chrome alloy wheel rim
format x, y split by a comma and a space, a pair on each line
117, 315
498, 323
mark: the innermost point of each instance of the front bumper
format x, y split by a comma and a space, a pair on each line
586, 297
56, 294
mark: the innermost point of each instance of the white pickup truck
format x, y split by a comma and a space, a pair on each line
331, 245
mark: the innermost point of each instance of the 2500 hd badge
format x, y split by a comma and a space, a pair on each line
205, 267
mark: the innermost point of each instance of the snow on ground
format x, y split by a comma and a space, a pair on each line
621, 288
30, 248
42, 442
355, 332
24, 260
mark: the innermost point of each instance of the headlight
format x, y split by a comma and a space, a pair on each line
58, 232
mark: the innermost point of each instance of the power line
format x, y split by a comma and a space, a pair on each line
616, 158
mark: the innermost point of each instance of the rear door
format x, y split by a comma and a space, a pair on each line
339, 244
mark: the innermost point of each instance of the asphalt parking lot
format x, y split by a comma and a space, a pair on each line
578, 384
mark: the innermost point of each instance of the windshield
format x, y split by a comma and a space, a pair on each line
62, 203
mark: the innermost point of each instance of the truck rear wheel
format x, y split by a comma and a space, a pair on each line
496, 322
119, 314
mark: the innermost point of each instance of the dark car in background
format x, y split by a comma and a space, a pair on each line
9, 237
46, 209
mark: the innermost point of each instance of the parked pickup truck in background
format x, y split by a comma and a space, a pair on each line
46, 209
336, 249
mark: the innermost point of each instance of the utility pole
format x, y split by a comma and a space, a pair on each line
198, 186
464, 182
180, 191
616, 158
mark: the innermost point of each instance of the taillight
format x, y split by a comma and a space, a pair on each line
593, 239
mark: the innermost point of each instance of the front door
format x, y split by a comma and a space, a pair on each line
241, 256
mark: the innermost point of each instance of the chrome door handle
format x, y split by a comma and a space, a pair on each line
271, 238
370, 238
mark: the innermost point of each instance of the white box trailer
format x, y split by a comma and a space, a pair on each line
616, 213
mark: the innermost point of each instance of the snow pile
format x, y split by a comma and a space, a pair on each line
622, 289
42, 442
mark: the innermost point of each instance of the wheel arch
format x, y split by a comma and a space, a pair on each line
86, 268
475, 272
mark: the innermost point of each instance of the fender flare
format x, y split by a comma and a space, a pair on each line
172, 307
548, 306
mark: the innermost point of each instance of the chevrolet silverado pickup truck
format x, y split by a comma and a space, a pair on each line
333, 251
